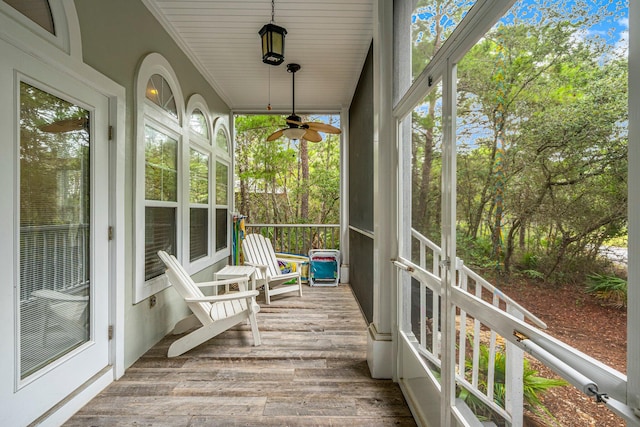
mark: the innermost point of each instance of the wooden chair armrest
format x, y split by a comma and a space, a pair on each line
222, 282
263, 268
225, 297
292, 275
260, 266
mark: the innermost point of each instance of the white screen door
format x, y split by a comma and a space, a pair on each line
54, 163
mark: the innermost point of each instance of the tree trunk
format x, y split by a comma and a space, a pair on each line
516, 226
422, 217
304, 164
274, 202
422, 214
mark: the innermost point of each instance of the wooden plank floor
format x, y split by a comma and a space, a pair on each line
310, 370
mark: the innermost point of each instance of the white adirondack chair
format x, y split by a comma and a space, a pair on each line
214, 314
64, 312
259, 253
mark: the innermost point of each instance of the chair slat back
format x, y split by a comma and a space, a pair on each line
257, 249
185, 286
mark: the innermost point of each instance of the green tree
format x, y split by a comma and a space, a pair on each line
286, 181
565, 136
433, 21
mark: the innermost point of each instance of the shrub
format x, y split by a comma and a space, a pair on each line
476, 251
529, 261
533, 274
533, 387
611, 290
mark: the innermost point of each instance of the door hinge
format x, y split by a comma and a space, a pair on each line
110, 233
110, 332
110, 133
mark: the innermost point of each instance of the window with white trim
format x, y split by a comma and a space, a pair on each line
46, 20
223, 169
200, 184
158, 172
161, 197
198, 204
183, 167
38, 11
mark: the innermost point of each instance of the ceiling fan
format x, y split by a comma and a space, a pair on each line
297, 128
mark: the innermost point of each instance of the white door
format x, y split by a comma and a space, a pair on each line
54, 295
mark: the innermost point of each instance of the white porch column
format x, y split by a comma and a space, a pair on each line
379, 348
344, 196
633, 297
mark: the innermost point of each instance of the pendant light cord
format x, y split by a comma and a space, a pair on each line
273, 8
293, 90
269, 85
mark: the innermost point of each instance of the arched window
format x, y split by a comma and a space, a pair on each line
198, 123
38, 11
52, 20
180, 174
159, 139
222, 140
223, 185
200, 183
159, 92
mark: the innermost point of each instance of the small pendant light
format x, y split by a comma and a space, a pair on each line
272, 37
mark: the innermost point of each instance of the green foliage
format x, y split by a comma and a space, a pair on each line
434, 21
533, 274
534, 386
619, 239
286, 181
476, 251
564, 139
529, 260
611, 290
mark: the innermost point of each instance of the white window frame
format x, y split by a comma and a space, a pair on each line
224, 157
67, 28
477, 22
150, 114
205, 146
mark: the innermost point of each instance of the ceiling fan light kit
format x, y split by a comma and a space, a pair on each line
294, 133
272, 38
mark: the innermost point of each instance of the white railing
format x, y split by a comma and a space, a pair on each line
53, 257
473, 337
298, 239
496, 321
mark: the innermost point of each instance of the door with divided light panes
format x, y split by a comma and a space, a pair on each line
54, 295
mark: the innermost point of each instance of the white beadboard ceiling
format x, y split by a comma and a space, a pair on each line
328, 38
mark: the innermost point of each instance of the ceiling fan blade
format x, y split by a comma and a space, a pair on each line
66, 125
294, 122
312, 136
277, 134
323, 127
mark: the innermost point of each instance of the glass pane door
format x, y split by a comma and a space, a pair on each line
54, 221
54, 228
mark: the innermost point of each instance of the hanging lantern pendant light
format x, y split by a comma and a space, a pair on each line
272, 37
